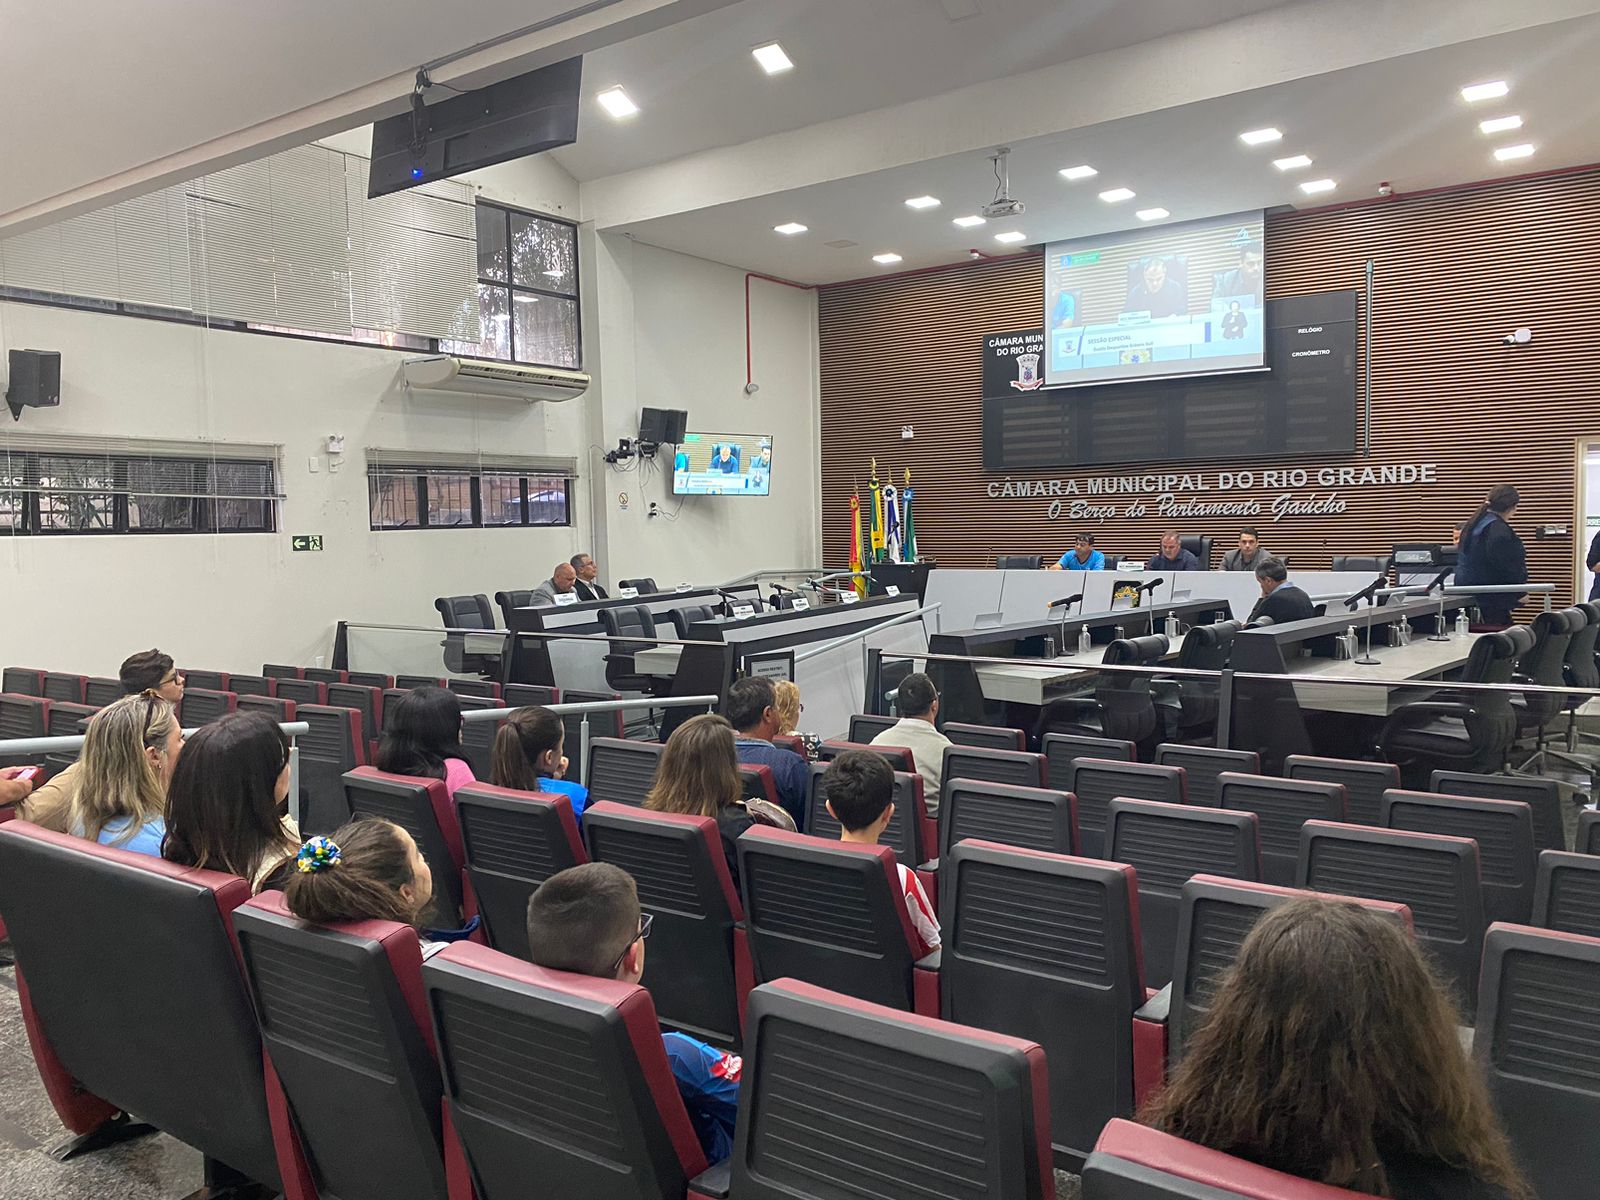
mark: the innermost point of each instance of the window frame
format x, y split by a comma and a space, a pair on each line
511, 287
416, 475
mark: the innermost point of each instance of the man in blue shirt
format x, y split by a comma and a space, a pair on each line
1082, 557
1173, 556
587, 920
752, 712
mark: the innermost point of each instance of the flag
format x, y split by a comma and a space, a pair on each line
908, 533
891, 522
876, 517
856, 563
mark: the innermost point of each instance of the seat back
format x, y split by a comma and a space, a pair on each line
484, 688
1199, 545
422, 808
301, 691
406, 683
866, 726
105, 937
99, 691
282, 671
342, 1017
248, 685
1581, 668
511, 842
1364, 782
1367, 564
904, 832
281, 711
555, 1077
200, 706
520, 695
1588, 836
1281, 807
759, 783
67, 720
1543, 796
477, 737
1503, 830
601, 724
1566, 895
1133, 1162
1167, 844
368, 701
997, 766
900, 758
1046, 948
1202, 765
688, 615
621, 770
805, 1043
26, 681
1018, 562
325, 674
373, 679
1126, 708
1535, 1038
1032, 818
1435, 877
216, 681
464, 612
59, 686
1062, 749
1546, 662
682, 875
1214, 917
829, 913
644, 585
23, 716
987, 737
332, 746
1097, 782
512, 600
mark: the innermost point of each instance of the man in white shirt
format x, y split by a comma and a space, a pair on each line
918, 702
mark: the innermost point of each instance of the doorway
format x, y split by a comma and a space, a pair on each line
1588, 525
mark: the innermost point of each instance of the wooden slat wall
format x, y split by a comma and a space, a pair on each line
1454, 272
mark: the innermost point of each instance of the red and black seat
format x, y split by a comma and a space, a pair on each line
1033, 818
325, 674
1096, 782
201, 706
281, 711
1019, 767
984, 737
22, 716
331, 747
1541, 795
759, 783
301, 691
1566, 894
1203, 764
1281, 807
698, 968
251, 685
900, 758
601, 724
24, 681
1132, 1162
350, 1062
483, 688
423, 809
866, 726
512, 842
374, 679
282, 671
1503, 830
1364, 782
1061, 750
620, 770
406, 683
520, 695
477, 737
67, 720
99, 691
368, 701
215, 681
59, 685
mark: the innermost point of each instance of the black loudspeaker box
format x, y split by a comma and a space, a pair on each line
35, 380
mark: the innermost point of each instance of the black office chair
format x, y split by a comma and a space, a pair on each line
1122, 705
1366, 564
1198, 545
1112, 560
688, 615
628, 621
1018, 562
508, 601
1581, 671
1473, 731
1545, 665
645, 585
1189, 704
466, 612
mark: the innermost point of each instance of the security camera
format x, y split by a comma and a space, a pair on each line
1518, 337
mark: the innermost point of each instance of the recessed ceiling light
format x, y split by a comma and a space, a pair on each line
969, 222
772, 58
1257, 137
1152, 214
1499, 124
886, 259
1312, 186
789, 227
1293, 163
1082, 171
1484, 91
923, 202
1117, 195
1011, 236
616, 103
1507, 153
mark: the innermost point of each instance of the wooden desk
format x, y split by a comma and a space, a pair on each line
1401, 664
1030, 680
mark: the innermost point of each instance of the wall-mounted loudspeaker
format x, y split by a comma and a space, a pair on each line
664, 426
35, 380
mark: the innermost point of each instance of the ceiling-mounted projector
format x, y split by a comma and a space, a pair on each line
1002, 206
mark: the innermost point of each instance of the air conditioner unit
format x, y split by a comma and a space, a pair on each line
446, 373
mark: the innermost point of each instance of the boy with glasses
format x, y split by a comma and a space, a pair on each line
587, 920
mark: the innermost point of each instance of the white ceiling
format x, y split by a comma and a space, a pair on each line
1399, 120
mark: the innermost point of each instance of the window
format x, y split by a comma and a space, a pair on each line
527, 290
457, 494
46, 492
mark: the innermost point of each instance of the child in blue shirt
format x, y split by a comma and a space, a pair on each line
528, 758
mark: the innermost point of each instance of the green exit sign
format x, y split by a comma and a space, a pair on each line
306, 541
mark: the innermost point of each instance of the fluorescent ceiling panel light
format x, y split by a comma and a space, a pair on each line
1293, 163
616, 103
1258, 137
1011, 237
772, 58
1081, 171
1312, 186
1507, 153
971, 222
886, 259
1500, 124
1117, 195
1152, 214
923, 202
790, 228
1473, 93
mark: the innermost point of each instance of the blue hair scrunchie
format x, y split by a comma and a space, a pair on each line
318, 854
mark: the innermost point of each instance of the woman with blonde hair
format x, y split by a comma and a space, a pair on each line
1330, 1052
129, 752
786, 703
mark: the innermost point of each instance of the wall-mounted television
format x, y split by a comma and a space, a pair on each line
723, 464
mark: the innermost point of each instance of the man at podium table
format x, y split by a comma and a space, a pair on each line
1280, 600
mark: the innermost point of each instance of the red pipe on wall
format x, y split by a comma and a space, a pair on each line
749, 358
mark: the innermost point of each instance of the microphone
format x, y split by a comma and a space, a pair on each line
1440, 578
1368, 593
1067, 601
1153, 584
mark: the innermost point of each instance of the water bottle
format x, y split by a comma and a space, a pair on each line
1348, 642
1085, 642
1463, 626
1405, 632
1119, 633
1172, 628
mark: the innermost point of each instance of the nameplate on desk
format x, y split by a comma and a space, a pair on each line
741, 611
565, 598
849, 597
891, 590
627, 593
800, 604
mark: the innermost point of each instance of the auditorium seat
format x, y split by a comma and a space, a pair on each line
466, 612
601, 724
23, 716
99, 691
1435, 876
1166, 844
910, 833
1536, 1036
477, 737
1188, 703
1018, 562
201, 706
833, 914
60, 686
621, 770
1366, 564
368, 701
759, 783
698, 967
423, 809
1203, 765
988, 737
1281, 806
1543, 796
510, 601
407, 683
282, 671
554, 1078
372, 679
1032, 818
216, 681
1133, 1162
391, 698
792, 742
521, 695
1061, 749
325, 674
23, 681
281, 711
67, 720
1046, 948
511, 842
1198, 545
249, 685
1096, 782
888, 1126
1503, 830
1122, 706
331, 747
1588, 840
1364, 782
134, 999
866, 726
1566, 894
900, 758
482, 688
350, 1062
644, 585
688, 615
301, 691
997, 766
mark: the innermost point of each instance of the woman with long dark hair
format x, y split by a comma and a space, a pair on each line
1330, 1052
528, 758
1491, 552
227, 801
422, 737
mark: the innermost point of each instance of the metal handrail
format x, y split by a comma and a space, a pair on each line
1467, 589
902, 619
547, 635
757, 576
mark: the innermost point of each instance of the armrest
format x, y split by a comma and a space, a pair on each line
931, 867
930, 963
713, 1183
925, 985
1157, 1008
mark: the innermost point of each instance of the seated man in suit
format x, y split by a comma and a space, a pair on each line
587, 585
1173, 556
562, 580
1280, 599
1249, 555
